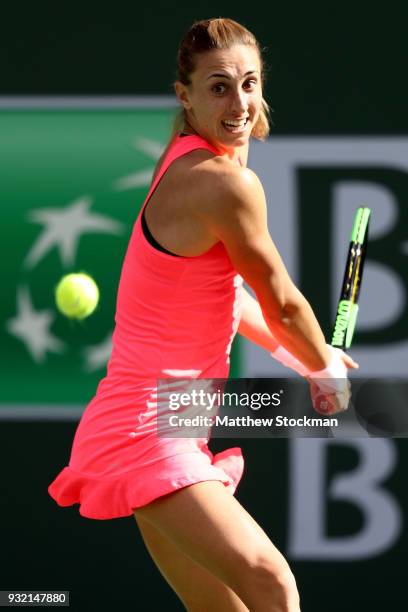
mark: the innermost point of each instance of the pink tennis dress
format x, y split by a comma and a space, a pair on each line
176, 317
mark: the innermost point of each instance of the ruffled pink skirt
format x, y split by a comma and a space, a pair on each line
118, 462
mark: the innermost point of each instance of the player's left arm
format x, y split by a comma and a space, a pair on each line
252, 325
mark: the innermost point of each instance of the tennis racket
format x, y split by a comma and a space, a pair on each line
347, 308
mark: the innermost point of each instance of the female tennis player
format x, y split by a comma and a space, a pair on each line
201, 232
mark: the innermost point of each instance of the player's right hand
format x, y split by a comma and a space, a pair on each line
330, 403
330, 387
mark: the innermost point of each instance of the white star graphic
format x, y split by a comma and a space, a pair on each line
63, 228
97, 355
32, 327
151, 148
142, 178
404, 247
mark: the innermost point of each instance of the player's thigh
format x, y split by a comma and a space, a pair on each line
197, 588
211, 527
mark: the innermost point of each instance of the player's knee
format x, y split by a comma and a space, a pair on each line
285, 584
270, 577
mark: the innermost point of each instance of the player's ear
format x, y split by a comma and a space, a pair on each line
182, 94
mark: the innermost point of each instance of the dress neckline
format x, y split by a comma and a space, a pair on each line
182, 134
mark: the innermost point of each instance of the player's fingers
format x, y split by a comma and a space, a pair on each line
348, 361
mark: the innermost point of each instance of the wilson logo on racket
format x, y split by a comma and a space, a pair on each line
347, 309
342, 323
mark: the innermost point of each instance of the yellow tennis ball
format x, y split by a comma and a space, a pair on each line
76, 295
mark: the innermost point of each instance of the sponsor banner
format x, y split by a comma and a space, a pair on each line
72, 182
73, 176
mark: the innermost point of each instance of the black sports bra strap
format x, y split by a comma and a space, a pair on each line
148, 235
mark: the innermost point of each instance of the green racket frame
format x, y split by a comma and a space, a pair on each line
347, 309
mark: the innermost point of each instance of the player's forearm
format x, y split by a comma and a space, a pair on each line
297, 330
252, 324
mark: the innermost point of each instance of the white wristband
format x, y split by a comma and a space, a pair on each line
333, 377
288, 360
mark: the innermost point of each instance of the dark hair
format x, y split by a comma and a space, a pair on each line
217, 33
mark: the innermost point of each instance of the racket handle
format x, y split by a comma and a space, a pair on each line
330, 388
330, 403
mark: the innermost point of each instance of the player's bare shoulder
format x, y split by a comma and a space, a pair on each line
214, 190
223, 188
